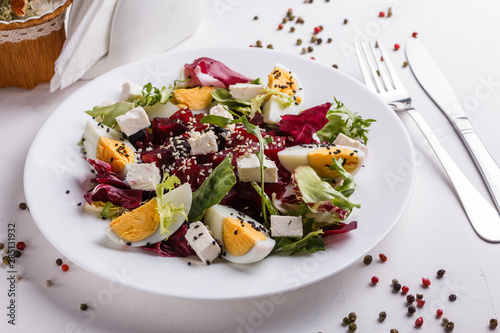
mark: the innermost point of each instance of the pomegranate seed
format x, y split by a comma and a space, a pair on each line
21, 245
317, 30
426, 282
382, 257
419, 322
374, 279
65, 268
420, 302
439, 312
381, 14
396, 46
280, 27
414, 35
404, 289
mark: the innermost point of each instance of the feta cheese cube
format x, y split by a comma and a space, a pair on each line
249, 169
133, 121
203, 143
219, 110
143, 176
286, 226
344, 140
202, 242
130, 91
245, 91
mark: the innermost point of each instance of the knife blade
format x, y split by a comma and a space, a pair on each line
432, 80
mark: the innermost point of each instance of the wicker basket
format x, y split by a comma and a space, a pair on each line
28, 50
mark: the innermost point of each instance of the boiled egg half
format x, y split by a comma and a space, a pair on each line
243, 239
319, 157
141, 226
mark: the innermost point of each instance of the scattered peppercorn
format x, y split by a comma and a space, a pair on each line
6, 260
65, 268
420, 296
59, 261
310, 49
414, 35
449, 326
23, 206
189, 263
396, 46
84, 307
374, 280
319, 41
381, 14
394, 281
304, 50
1, 246
352, 327
405, 289
280, 27
299, 41
346, 321
16, 253
21, 245
346, 21
317, 30
352, 316
439, 313
440, 273
411, 309
410, 298
445, 320
312, 58
394, 330
382, 257
270, 46
285, 19
335, 66
300, 20
314, 38
452, 297
389, 12
329, 40
48, 283
367, 259
255, 18
396, 286
420, 302
405, 64
493, 323
382, 315
292, 29
67, 191
419, 322
426, 282
258, 43
19, 277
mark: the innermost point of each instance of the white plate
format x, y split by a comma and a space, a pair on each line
54, 165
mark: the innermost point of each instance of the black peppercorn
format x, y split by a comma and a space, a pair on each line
411, 309
396, 286
353, 317
346, 321
449, 326
410, 298
420, 296
382, 315
493, 323
84, 307
352, 327
452, 297
367, 259
440, 273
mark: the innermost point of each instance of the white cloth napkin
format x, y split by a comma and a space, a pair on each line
87, 41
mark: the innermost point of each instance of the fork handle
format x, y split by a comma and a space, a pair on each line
482, 215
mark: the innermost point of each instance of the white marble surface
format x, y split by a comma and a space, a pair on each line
434, 232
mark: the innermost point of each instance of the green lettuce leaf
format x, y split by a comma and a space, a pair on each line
311, 243
213, 189
224, 97
167, 209
348, 185
285, 100
342, 120
109, 113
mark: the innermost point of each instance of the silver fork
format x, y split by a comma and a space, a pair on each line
380, 76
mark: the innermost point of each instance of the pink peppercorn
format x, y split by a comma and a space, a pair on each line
21, 245
65, 268
374, 279
404, 289
381, 14
382, 257
419, 322
414, 35
426, 282
396, 47
439, 312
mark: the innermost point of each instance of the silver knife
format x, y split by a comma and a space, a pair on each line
437, 87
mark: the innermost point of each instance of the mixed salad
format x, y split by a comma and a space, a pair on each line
220, 165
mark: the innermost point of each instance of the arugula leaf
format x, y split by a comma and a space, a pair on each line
342, 120
257, 81
348, 185
268, 202
216, 120
311, 243
109, 113
213, 189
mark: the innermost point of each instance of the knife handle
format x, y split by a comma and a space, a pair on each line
482, 215
484, 161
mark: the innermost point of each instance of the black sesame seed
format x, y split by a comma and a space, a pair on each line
67, 191
128, 244
189, 263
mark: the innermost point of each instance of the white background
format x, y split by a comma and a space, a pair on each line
434, 232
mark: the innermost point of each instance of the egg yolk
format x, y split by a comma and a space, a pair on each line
114, 152
283, 81
320, 159
137, 224
239, 237
197, 98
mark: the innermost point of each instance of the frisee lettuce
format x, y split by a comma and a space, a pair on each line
342, 120
285, 100
167, 209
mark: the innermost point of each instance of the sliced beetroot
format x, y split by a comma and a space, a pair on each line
161, 156
184, 115
190, 171
206, 71
302, 126
140, 139
175, 246
164, 128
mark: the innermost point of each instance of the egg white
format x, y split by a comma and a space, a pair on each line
214, 219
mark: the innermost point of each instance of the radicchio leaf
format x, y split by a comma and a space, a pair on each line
105, 174
339, 228
206, 71
175, 246
126, 198
303, 125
